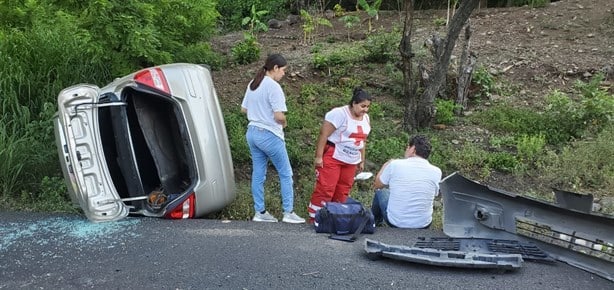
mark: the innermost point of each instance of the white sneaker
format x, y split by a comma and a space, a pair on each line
292, 218
264, 217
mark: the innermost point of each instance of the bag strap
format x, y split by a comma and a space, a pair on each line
354, 236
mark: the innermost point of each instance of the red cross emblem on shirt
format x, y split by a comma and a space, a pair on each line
358, 136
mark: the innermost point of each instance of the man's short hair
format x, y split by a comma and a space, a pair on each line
423, 145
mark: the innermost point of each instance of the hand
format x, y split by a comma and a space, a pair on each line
318, 162
361, 166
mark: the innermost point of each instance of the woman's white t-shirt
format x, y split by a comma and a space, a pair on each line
262, 103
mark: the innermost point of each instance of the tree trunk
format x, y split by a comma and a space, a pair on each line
483, 4
426, 105
465, 72
409, 121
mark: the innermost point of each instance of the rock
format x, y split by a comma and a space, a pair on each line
439, 126
596, 207
608, 70
607, 202
275, 24
293, 19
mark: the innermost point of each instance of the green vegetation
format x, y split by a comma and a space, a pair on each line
485, 82
44, 48
563, 119
383, 47
246, 51
371, 9
254, 21
233, 12
445, 111
349, 22
311, 24
439, 21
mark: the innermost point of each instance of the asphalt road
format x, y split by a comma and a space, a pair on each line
47, 251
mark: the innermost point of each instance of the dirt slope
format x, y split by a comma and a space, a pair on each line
537, 50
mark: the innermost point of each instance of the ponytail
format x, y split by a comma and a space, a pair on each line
270, 63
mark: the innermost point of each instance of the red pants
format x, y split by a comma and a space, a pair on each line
333, 182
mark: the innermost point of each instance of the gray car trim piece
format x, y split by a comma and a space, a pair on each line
458, 259
581, 239
572, 200
528, 251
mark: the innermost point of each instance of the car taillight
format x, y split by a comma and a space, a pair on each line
184, 210
153, 77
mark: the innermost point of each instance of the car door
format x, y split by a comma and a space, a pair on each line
81, 154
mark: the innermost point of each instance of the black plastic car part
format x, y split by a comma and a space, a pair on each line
528, 250
458, 259
577, 237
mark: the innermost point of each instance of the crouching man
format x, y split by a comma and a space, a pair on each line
405, 188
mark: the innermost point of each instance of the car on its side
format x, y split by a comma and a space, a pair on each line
151, 143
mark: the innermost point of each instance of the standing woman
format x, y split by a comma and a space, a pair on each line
265, 106
340, 151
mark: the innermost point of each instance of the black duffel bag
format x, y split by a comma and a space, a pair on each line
344, 221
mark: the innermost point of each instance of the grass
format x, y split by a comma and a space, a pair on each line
564, 143
523, 142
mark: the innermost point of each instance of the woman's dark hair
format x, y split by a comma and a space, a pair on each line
423, 145
359, 95
272, 60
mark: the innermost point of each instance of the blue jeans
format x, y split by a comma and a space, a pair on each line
265, 146
379, 206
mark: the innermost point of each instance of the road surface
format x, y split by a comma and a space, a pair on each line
54, 251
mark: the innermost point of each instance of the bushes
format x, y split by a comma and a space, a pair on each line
383, 47
246, 51
201, 53
583, 165
46, 46
37, 63
233, 12
236, 124
563, 119
136, 34
444, 113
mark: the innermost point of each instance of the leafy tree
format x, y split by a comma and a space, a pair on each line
46, 46
311, 24
371, 9
233, 11
142, 33
254, 21
349, 21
